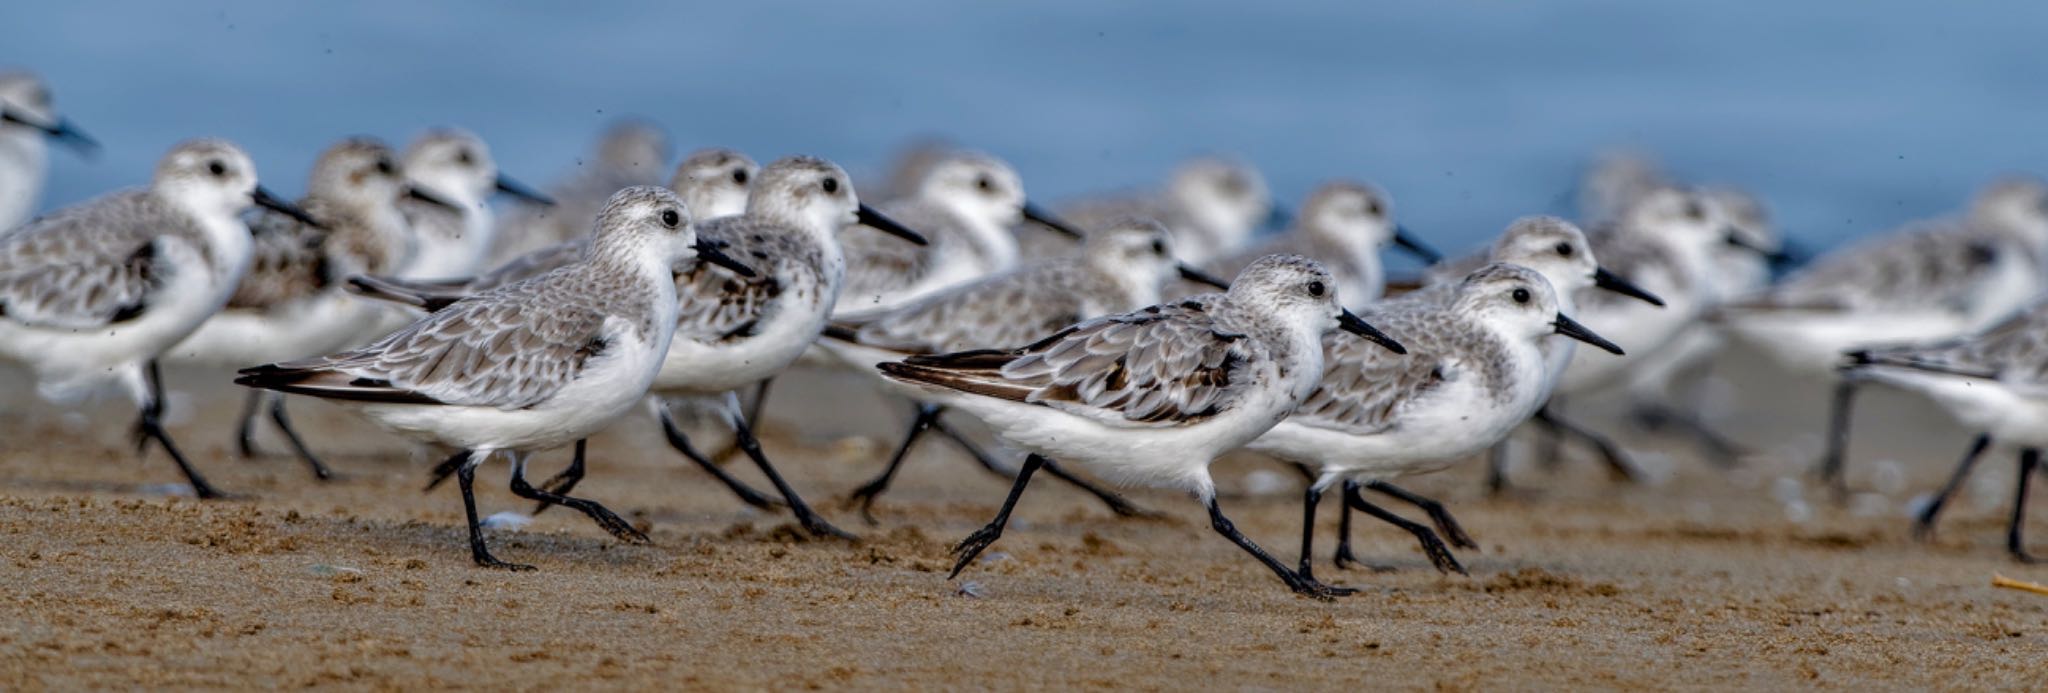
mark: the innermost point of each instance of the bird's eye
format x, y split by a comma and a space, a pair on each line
216, 168
1564, 249
1693, 210
384, 167
985, 184
739, 177
831, 185
1520, 295
462, 156
1375, 209
1159, 248
670, 218
1317, 289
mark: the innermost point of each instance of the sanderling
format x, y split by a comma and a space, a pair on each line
1342, 225
1995, 382
715, 181
290, 303
1156, 394
1211, 205
1930, 281
93, 294
455, 167
966, 205
1122, 267
1475, 368
27, 117
630, 152
536, 364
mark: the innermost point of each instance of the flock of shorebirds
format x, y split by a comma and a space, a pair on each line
1137, 337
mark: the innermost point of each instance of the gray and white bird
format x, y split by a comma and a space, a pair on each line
28, 121
455, 167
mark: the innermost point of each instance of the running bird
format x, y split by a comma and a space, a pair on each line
1156, 394
1928, 282
290, 303
533, 365
1121, 268
1342, 225
455, 239
1476, 366
92, 295
966, 206
27, 119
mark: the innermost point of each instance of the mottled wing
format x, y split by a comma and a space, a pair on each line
878, 264
1000, 312
715, 304
530, 265
88, 266
1930, 265
288, 262
1364, 385
2014, 350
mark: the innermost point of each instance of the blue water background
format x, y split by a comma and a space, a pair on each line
1849, 117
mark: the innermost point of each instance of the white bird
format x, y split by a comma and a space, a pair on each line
92, 295
533, 365
630, 152
1154, 395
1344, 225
28, 118
455, 167
1211, 206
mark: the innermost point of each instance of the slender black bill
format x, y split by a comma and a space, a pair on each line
63, 131
1613, 282
423, 195
1407, 241
263, 198
1038, 214
708, 251
519, 190
1200, 277
1352, 324
872, 218
1773, 256
1570, 328
1790, 254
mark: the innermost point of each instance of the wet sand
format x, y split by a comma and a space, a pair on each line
1747, 578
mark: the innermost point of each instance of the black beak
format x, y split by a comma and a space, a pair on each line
708, 251
1735, 238
519, 190
1038, 214
1569, 328
264, 199
1353, 325
421, 194
1613, 282
869, 217
1200, 277
1407, 241
1277, 217
63, 131
1789, 255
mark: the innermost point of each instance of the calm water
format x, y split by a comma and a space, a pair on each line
1848, 116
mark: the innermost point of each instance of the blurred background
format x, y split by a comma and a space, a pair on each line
1848, 117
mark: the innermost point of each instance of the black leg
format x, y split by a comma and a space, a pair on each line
1301, 584
150, 427
1309, 499
1838, 438
465, 476
812, 523
1439, 555
1445, 524
245, 425
681, 442
604, 517
760, 402
566, 480
867, 493
447, 468
1719, 450
1116, 502
1497, 468
973, 545
2030, 459
284, 423
1343, 557
1618, 464
1923, 525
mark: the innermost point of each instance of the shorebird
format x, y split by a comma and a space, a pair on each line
1156, 394
455, 167
533, 365
92, 295
28, 120
1343, 225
